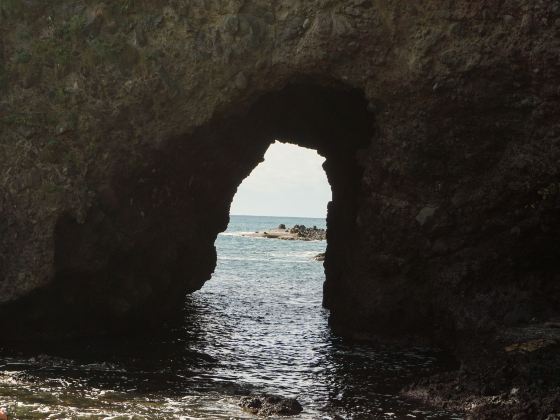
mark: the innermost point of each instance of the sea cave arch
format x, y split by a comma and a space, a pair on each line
149, 239
418, 236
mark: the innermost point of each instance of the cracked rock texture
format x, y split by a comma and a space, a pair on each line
126, 127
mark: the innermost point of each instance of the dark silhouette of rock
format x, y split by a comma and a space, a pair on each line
271, 405
319, 257
126, 131
442, 157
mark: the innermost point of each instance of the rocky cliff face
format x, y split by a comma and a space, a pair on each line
126, 128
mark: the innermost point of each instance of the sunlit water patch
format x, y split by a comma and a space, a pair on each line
257, 326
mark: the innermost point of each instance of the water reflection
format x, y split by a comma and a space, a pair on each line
168, 375
257, 326
197, 370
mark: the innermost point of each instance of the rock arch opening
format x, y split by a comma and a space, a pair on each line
149, 236
290, 182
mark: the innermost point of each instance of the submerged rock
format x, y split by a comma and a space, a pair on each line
319, 257
271, 405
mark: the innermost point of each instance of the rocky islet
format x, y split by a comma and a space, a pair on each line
297, 232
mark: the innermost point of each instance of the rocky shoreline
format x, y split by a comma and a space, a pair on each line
513, 374
297, 232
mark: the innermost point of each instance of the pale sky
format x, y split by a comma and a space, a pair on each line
290, 182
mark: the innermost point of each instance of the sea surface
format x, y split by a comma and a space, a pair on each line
256, 327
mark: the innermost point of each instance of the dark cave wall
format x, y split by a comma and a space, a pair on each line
458, 213
439, 123
149, 240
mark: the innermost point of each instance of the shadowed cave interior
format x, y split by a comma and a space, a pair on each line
149, 239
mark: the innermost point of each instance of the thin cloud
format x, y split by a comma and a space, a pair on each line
290, 182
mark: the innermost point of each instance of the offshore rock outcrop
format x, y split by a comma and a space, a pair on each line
297, 232
127, 127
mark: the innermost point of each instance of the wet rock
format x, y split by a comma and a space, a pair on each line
309, 234
320, 257
271, 405
530, 346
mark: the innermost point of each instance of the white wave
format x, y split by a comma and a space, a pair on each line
243, 259
238, 234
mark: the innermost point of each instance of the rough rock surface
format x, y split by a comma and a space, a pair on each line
271, 405
512, 375
298, 232
126, 127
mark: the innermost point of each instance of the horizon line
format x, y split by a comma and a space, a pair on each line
289, 217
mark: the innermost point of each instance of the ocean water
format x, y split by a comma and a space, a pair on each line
256, 327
